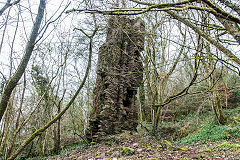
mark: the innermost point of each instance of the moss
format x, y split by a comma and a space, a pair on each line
127, 151
182, 149
93, 143
227, 145
167, 143
223, 146
185, 158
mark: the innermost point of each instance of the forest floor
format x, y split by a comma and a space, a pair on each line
134, 146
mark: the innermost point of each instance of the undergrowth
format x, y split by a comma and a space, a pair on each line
191, 129
211, 131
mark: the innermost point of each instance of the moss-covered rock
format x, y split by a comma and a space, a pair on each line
127, 151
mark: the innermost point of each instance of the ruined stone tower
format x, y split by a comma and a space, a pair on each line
119, 73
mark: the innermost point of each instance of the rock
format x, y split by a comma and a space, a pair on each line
79, 158
127, 151
139, 150
135, 145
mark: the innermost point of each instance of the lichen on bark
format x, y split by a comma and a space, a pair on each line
119, 73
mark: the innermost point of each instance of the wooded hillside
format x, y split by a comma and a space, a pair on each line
129, 79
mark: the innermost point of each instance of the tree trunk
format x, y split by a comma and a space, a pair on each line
119, 74
24, 61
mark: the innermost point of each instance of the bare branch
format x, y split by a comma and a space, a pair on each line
7, 5
24, 61
219, 46
231, 5
46, 126
219, 10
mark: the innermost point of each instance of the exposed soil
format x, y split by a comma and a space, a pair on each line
141, 146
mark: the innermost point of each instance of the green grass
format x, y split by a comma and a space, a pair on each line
208, 130
212, 132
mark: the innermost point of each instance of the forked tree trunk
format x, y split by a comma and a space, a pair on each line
119, 74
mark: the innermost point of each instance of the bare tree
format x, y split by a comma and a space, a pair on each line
7, 5
229, 21
12, 82
59, 115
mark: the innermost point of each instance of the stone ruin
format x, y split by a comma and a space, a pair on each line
119, 74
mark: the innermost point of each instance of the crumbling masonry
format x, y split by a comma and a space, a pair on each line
119, 74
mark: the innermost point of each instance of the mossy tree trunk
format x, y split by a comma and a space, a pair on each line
217, 108
119, 74
144, 108
41, 83
12, 82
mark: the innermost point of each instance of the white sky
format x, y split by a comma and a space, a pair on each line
26, 18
